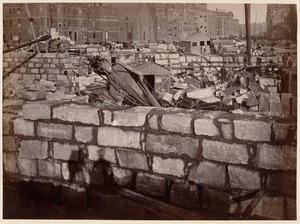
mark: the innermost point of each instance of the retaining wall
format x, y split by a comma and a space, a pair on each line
191, 158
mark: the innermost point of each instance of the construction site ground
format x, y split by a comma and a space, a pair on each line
20, 202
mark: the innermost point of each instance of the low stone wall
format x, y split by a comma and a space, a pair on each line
176, 59
190, 158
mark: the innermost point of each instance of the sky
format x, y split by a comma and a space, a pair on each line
238, 11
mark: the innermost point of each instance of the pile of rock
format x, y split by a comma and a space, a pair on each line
237, 92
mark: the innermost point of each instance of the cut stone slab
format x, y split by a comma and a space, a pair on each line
201, 93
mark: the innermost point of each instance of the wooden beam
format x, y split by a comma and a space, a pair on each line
168, 210
247, 212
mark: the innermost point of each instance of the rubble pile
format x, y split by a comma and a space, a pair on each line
211, 88
17, 91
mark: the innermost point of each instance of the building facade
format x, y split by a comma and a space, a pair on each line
16, 25
226, 25
281, 21
99, 23
177, 21
257, 30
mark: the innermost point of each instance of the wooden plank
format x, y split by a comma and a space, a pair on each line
169, 210
252, 205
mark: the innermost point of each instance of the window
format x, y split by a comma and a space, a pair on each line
75, 24
194, 44
10, 22
94, 23
84, 22
10, 36
201, 43
19, 22
84, 11
59, 24
94, 35
79, 11
20, 36
74, 12
64, 10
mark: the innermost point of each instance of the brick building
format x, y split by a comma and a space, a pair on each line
97, 23
79, 21
135, 22
226, 25
177, 21
16, 26
281, 21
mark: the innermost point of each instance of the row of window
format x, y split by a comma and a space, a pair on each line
11, 37
202, 43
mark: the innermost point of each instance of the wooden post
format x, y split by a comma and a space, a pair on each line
248, 31
32, 28
46, 25
290, 81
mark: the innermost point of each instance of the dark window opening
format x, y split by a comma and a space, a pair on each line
194, 44
201, 43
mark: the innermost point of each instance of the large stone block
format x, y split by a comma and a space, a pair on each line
151, 184
252, 130
283, 183
174, 56
243, 178
217, 200
227, 131
270, 207
153, 122
49, 169
275, 157
10, 162
131, 159
177, 123
28, 167
23, 127
34, 149
185, 194
110, 136
291, 204
9, 143
65, 151
267, 81
134, 117
162, 62
224, 152
281, 131
77, 113
286, 103
7, 120
83, 134
32, 111
30, 95
172, 144
203, 126
122, 177
168, 166
209, 174
97, 153
59, 131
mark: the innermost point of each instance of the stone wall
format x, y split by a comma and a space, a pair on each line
176, 59
194, 159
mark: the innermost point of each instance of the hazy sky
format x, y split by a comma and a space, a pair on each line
239, 11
